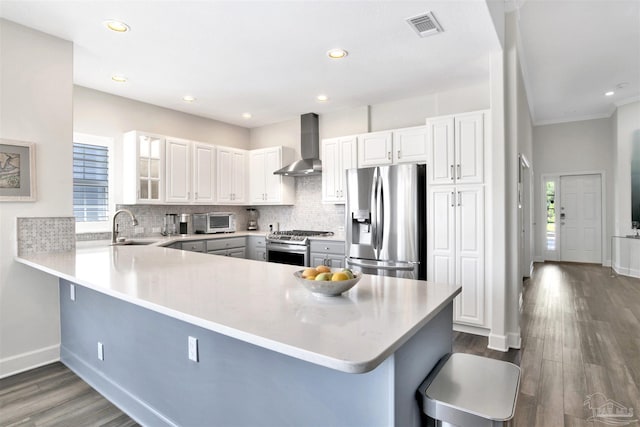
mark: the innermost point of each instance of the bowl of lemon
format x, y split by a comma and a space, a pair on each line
326, 281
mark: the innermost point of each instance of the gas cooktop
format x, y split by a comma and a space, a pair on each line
298, 236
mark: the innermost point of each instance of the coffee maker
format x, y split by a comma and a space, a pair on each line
252, 224
183, 225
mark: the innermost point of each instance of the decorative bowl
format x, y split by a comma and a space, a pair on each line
328, 287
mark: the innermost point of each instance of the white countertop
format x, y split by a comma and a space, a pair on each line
258, 302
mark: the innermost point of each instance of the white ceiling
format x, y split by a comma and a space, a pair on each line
573, 52
269, 57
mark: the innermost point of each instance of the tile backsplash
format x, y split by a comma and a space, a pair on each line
308, 213
45, 234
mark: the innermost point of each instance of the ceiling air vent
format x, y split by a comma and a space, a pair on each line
425, 24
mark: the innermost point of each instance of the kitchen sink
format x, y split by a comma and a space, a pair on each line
136, 242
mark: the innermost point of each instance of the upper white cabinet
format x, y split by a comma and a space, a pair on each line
407, 145
265, 188
338, 155
143, 168
204, 179
375, 149
178, 170
230, 175
457, 148
410, 145
189, 172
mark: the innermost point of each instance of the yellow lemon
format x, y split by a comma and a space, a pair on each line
339, 276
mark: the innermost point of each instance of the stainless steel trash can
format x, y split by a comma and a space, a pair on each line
466, 390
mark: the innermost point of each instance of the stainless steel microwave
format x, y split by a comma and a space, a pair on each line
214, 222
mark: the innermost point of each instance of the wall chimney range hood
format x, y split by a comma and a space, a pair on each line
309, 148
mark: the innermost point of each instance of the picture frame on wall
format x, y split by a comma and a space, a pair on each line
17, 171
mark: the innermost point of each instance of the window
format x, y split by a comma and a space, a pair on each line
92, 189
551, 215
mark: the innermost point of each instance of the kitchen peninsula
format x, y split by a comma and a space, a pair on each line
268, 352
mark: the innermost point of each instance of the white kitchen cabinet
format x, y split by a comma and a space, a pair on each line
410, 145
406, 145
189, 172
257, 248
455, 247
233, 247
143, 168
338, 155
204, 173
230, 175
324, 252
457, 149
265, 188
178, 170
375, 149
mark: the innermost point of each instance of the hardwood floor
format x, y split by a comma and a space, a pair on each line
54, 396
581, 335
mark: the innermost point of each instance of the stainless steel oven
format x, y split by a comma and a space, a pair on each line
284, 253
291, 247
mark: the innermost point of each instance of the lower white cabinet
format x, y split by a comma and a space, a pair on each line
257, 248
232, 246
455, 247
329, 253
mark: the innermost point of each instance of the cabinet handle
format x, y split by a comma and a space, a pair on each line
459, 171
453, 199
264, 255
389, 155
452, 174
398, 154
196, 195
459, 199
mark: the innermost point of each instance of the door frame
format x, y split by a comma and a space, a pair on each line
543, 212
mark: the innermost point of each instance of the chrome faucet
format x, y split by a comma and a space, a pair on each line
114, 226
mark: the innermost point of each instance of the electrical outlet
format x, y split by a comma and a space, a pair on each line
100, 351
193, 349
156, 229
138, 230
72, 292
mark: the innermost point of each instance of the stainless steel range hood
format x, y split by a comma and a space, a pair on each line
309, 148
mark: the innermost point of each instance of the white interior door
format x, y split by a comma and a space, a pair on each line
580, 218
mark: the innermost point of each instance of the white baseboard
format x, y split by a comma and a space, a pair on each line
475, 330
29, 360
538, 259
498, 342
514, 340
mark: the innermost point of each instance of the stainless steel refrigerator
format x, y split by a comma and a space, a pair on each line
386, 220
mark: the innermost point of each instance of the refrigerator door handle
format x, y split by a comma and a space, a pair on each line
409, 267
374, 212
380, 219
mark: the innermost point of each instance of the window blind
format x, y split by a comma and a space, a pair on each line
90, 182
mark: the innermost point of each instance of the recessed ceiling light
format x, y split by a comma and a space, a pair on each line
337, 53
322, 98
117, 26
119, 78
188, 98
246, 115
610, 93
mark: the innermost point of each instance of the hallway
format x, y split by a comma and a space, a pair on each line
581, 335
